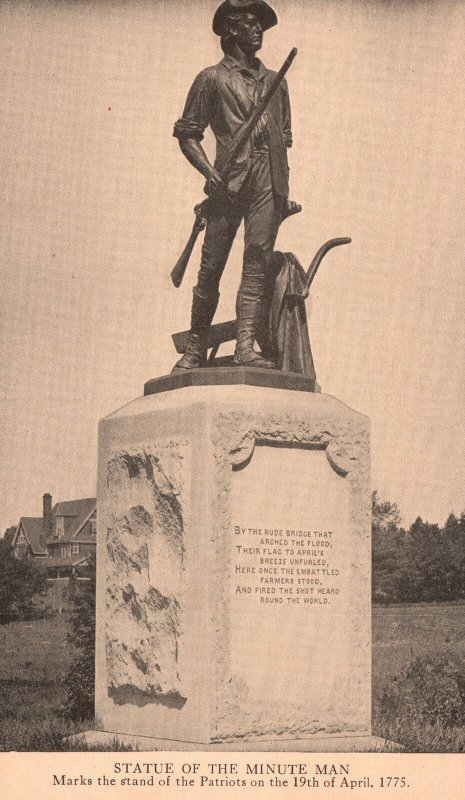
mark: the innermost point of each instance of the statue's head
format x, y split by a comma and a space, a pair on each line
243, 22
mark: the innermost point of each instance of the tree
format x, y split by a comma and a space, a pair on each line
389, 562
20, 582
80, 681
385, 515
454, 538
438, 554
424, 564
9, 534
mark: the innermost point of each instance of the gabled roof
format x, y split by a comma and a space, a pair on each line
78, 513
72, 508
33, 529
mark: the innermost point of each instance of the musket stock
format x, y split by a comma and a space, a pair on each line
177, 273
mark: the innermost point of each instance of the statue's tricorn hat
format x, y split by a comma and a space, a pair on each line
264, 13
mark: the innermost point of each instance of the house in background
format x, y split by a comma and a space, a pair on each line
29, 539
61, 542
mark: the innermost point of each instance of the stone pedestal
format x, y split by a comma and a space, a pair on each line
233, 592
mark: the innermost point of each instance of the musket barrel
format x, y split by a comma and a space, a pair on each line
248, 126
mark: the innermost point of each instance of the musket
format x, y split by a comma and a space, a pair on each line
243, 134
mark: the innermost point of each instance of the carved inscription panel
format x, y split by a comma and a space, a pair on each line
290, 557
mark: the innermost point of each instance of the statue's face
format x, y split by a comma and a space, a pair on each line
248, 33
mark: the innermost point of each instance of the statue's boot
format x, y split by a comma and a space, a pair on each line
203, 311
249, 308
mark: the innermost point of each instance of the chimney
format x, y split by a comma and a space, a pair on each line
47, 516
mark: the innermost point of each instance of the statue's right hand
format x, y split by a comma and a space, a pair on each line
215, 182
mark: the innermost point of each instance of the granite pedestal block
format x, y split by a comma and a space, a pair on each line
233, 588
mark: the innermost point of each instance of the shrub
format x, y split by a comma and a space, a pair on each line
21, 581
80, 680
424, 708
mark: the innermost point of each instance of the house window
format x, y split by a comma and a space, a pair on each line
60, 530
93, 525
75, 549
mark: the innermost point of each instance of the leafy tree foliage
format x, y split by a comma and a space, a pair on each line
385, 515
425, 563
21, 581
80, 681
9, 533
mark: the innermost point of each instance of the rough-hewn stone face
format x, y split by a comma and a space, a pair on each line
187, 649
145, 545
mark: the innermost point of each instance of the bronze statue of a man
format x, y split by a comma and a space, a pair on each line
223, 97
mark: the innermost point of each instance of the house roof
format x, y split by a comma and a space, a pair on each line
78, 513
72, 508
62, 561
33, 528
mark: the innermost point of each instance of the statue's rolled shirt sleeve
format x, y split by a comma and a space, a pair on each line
195, 117
286, 110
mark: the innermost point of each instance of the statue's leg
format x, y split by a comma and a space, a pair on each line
219, 236
203, 310
261, 227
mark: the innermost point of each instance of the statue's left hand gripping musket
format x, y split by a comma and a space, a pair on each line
202, 210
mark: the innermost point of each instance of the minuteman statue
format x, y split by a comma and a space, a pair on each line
223, 96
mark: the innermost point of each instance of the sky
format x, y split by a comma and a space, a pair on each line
96, 205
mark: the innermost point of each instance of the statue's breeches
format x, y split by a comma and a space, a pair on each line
261, 211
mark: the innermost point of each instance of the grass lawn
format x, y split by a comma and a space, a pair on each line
402, 633
32, 649
424, 710
35, 658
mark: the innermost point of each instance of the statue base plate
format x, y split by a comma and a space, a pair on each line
224, 376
